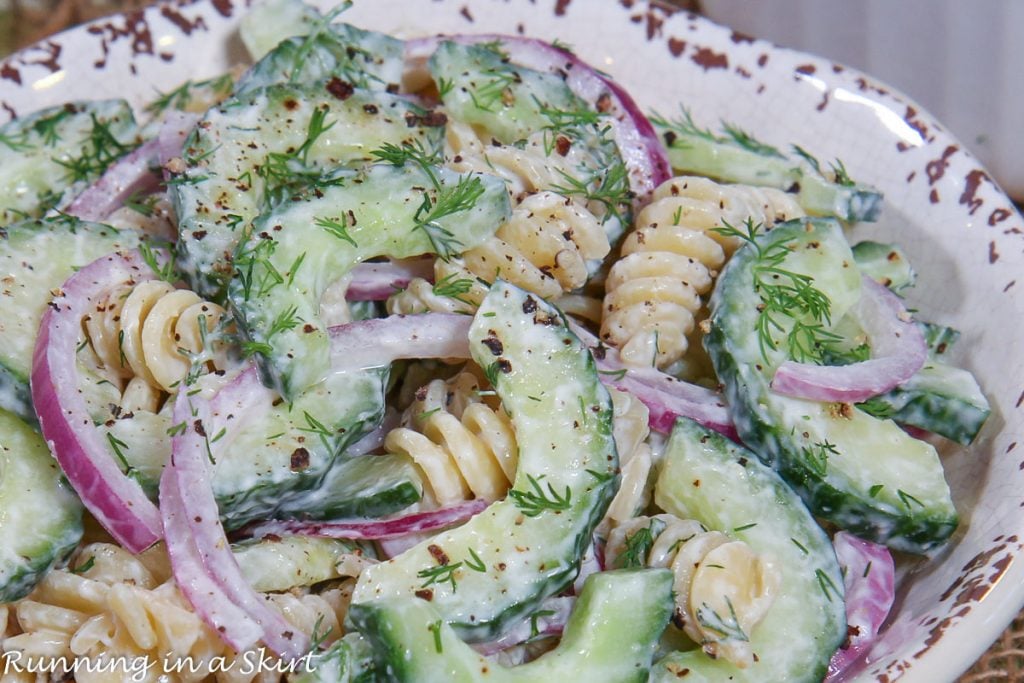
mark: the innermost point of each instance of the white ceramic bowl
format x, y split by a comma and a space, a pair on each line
963, 235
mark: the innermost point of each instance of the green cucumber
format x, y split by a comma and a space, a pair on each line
705, 477
347, 660
48, 157
887, 264
360, 486
36, 257
266, 145
939, 398
864, 474
364, 59
41, 517
735, 157
610, 637
499, 566
299, 249
481, 86
268, 22
277, 564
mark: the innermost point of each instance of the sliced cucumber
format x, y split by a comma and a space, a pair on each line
364, 59
296, 251
282, 563
286, 450
51, 155
41, 517
864, 474
361, 486
347, 660
500, 565
36, 257
610, 637
723, 486
265, 145
939, 398
268, 22
734, 157
887, 264
480, 85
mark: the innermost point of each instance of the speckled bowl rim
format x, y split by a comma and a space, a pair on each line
957, 225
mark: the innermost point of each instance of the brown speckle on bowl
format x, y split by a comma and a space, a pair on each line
709, 59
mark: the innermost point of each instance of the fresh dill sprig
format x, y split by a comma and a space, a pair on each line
749, 142
727, 628
317, 427
450, 199
453, 287
817, 456
100, 150
537, 501
181, 97
414, 151
684, 126
166, 271
285, 173
638, 546
442, 573
337, 228
786, 294
16, 143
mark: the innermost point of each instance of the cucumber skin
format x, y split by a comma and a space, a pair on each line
746, 389
610, 637
695, 482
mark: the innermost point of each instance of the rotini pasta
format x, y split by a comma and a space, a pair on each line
654, 291
547, 245
631, 429
112, 619
464, 447
723, 589
150, 335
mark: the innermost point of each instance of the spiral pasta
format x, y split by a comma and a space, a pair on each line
653, 292
117, 620
464, 447
630, 428
150, 335
545, 247
723, 589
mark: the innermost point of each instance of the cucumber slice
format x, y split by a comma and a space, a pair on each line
296, 251
269, 22
723, 486
940, 398
49, 156
263, 146
41, 517
283, 563
348, 660
362, 486
36, 257
502, 563
287, 449
481, 86
610, 637
364, 59
887, 264
734, 157
864, 474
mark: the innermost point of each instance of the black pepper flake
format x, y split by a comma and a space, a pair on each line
370, 108
425, 594
340, 89
198, 427
300, 459
438, 554
530, 305
494, 345
198, 235
504, 365
308, 329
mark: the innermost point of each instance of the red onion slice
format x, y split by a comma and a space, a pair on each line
378, 281
372, 529
642, 152
213, 606
116, 501
898, 351
380, 341
188, 475
133, 173
870, 579
175, 130
666, 397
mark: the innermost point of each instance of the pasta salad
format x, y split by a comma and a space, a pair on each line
437, 359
